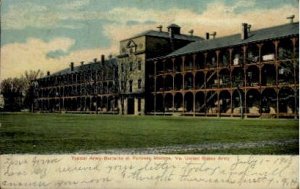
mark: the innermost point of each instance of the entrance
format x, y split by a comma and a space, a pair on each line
130, 105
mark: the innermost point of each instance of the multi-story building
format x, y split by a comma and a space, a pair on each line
85, 88
132, 60
252, 73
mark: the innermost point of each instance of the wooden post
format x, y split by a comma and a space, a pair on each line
231, 102
219, 105
205, 110
218, 76
173, 102
277, 103
173, 73
183, 63
155, 87
194, 103
260, 77
194, 62
218, 84
276, 61
163, 103
245, 77
194, 73
182, 73
295, 78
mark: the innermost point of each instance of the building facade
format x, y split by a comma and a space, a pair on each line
85, 88
132, 60
252, 73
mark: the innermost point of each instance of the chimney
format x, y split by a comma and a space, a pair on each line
48, 73
207, 35
244, 34
81, 63
214, 35
159, 28
249, 28
173, 29
291, 18
72, 66
191, 32
95, 60
102, 58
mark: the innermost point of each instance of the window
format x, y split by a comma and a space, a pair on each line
139, 65
130, 86
190, 64
130, 66
122, 68
139, 104
139, 83
122, 85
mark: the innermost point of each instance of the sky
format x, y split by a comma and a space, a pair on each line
48, 35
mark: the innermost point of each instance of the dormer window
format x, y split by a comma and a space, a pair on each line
131, 47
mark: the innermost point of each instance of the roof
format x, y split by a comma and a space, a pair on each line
162, 34
234, 40
85, 67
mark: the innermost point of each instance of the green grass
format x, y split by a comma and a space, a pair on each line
268, 149
66, 133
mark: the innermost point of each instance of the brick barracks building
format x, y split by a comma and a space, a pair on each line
248, 74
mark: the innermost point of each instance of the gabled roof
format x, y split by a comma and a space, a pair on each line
162, 34
85, 67
291, 29
131, 44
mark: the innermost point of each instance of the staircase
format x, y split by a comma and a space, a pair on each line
209, 78
207, 100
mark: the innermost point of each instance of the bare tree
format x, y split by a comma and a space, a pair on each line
31, 75
17, 92
13, 90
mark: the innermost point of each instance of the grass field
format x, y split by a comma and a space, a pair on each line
67, 133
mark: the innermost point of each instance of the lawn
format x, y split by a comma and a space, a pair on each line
70, 133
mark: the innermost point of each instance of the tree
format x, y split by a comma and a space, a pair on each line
13, 91
17, 92
29, 79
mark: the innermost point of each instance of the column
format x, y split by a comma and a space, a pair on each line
294, 59
182, 73
173, 101
277, 103
276, 62
231, 102
155, 87
194, 103
183, 110
173, 74
245, 78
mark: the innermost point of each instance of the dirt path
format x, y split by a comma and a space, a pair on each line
195, 147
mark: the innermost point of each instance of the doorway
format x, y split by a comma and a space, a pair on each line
130, 105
